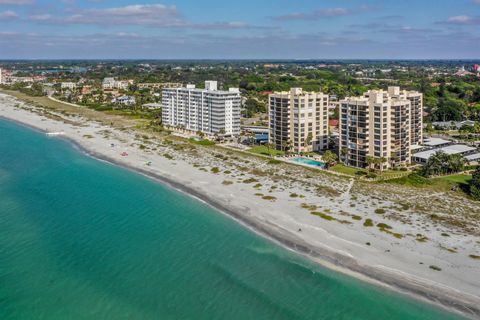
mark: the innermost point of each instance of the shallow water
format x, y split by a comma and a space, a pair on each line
82, 239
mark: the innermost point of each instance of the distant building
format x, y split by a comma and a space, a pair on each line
152, 106
208, 110
1, 76
298, 120
462, 72
125, 100
159, 85
86, 89
111, 83
380, 124
452, 125
68, 85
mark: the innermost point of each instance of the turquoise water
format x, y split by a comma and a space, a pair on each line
81, 239
310, 162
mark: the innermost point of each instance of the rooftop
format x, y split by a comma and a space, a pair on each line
432, 142
453, 149
473, 157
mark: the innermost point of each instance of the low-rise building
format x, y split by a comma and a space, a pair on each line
68, 85
112, 83
125, 100
159, 85
464, 150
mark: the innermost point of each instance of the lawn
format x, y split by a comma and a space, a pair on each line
265, 151
458, 178
204, 142
388, 174
346, 170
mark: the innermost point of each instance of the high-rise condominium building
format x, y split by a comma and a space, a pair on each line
208, 110
380, 124
298, 120
1, 76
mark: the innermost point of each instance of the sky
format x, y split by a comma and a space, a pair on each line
240, 29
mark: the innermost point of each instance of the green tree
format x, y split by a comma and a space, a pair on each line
475, 184
344, 153
443, 163
370, 162
329, 158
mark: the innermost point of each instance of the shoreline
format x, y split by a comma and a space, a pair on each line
430, 292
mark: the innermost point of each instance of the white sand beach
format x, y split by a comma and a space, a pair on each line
423, 245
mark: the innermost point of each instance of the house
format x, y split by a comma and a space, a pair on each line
68, 85
125, 100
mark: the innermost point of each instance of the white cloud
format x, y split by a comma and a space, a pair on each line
148, 14
8, 15
322, 13
155, 15
464, 19
18, 2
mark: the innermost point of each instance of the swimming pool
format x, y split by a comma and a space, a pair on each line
309, 162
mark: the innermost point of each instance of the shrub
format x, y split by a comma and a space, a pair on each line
307, 206
227, 183
215, 170
371, 175
383, 226
250, 180
293, 195
270, 198
323, 215
274, 161
368, 223
475, 184
355, 217
380, 211
435, 268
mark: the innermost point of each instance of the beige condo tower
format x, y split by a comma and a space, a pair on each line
298, 120
380, 124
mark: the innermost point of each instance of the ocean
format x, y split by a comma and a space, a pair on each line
84, 239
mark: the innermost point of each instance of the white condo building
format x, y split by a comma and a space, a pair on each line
1, 76
208, 110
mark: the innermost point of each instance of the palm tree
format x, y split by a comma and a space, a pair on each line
456, 162
442, 163
329, 158
370, 161
270, 145
344, 153
308, 140
381, 161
